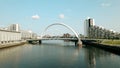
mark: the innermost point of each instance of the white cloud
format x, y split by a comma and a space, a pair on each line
105, 4
35, 17
61, 16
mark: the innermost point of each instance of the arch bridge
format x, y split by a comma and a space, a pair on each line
77, 39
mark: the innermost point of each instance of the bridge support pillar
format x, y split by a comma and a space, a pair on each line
40, 41
78, 43
75, 43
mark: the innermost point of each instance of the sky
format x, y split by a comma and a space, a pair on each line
36, 15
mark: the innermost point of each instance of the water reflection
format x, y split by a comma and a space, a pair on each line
90, 57
98, 58
55, 55
12, 56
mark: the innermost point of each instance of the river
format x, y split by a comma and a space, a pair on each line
57, 54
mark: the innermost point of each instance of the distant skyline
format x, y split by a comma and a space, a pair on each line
35, 15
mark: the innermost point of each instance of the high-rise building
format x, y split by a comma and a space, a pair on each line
14, 27
87, 24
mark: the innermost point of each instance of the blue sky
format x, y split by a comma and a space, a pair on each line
35, 15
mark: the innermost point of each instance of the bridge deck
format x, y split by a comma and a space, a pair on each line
53, 39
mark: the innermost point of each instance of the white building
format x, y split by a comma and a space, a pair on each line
87, 24
28, 35
14, 27
14, 34
9, 36
34, 36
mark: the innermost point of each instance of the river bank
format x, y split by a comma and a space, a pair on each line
104, 45
6, 45
111, 42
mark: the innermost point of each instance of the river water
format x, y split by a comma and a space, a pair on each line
57, 54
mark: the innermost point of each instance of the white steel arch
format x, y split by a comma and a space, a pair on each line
62, 24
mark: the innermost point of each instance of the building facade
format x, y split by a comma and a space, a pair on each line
9, 36
66, 35
13, 34
93, 31
87, 24
98, 32
28, 35
14, 27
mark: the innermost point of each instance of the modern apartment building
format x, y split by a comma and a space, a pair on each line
87, 24
97, 32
